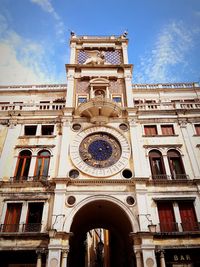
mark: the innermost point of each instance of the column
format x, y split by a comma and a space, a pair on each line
138, 257
64, 257
72, 53
141, 168
128, 88
64, 161
190, 150
70, 87
39, 258
10, 140
162, 259
91, 92
125, 53
166, 164
107, 92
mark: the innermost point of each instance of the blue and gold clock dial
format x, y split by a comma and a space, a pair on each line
100, 150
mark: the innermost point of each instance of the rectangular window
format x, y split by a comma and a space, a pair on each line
82, 99
13, 213
166, 217
150, 130
197, 128
47, 129
188, 216
34, 217
117, 99
30, 129
167, 129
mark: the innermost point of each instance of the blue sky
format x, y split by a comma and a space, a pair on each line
164, 37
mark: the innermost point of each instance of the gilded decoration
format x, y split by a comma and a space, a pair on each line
103, 151
113, 57
100, 150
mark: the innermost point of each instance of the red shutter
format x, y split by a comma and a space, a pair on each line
167, 129
166, 217
150, 130
13, 213
197, 128
188, 216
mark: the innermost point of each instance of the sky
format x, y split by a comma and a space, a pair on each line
164, 37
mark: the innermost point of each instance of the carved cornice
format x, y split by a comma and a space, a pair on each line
35, 146
163, 145
171, 182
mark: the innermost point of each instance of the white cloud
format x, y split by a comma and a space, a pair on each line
23, 61
47, 7
170, 49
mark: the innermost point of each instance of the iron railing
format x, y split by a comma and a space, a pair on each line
180, 176
29, 178
168, 227
10, 228
160, 177
24, 228
31, 227
173, 227
190, 225
169, 177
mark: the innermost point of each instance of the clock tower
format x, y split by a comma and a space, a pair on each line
99, 91
94, 180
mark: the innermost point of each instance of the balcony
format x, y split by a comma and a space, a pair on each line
190, 226
165, 85
161, 177
168, 106
179, 176
99, 108
169, 177
166, 227
31, 107
176, 228
22, 179
21, 228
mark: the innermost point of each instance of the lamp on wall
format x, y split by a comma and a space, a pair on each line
151, 226
52, 233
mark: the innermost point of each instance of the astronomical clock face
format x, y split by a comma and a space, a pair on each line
100, 151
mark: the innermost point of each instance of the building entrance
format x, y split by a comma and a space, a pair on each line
101, 237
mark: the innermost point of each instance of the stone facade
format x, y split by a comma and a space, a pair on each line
100, 172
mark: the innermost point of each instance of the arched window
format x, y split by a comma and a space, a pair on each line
157, 165
176, 164
23, 165
42, 164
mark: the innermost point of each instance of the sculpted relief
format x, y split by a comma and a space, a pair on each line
95, 58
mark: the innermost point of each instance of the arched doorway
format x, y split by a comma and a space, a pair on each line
102, 214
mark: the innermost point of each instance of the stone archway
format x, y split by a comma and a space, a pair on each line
104, 214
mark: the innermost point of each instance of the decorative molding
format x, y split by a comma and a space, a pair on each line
102, 181
34, 146
173, 198
163, 146
171, 182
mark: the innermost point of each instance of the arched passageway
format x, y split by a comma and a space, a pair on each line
107, 215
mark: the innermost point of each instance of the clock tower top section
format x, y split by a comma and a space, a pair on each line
97, 50
99, 71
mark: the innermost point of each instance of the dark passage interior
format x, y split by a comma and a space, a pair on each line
102, 214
